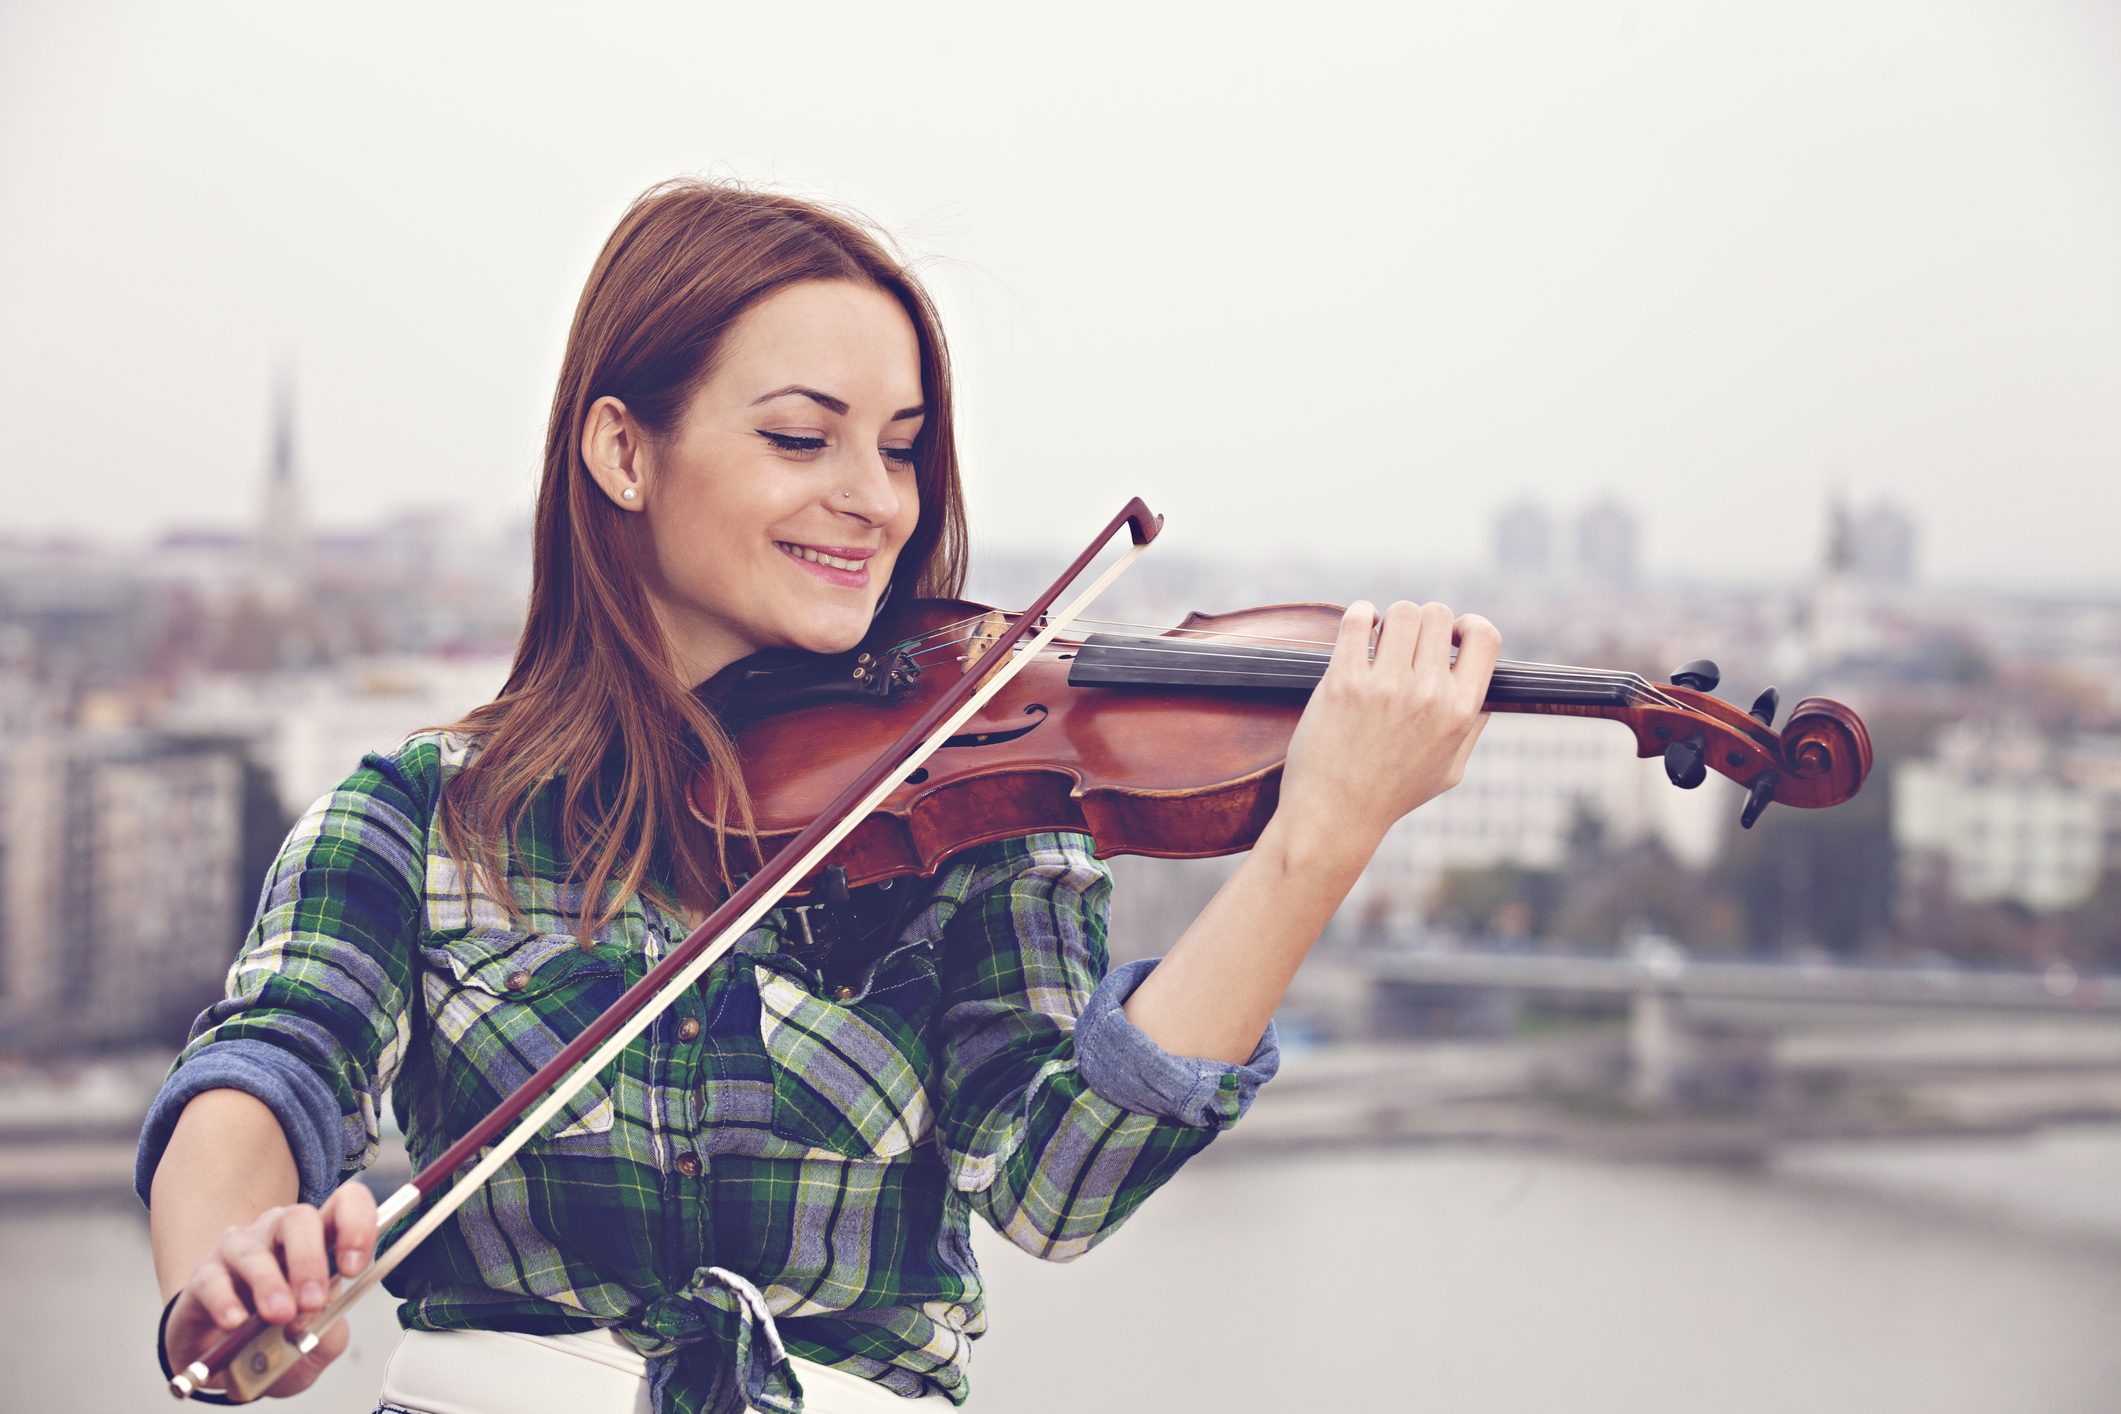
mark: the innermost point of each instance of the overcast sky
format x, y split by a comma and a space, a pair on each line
1338, 279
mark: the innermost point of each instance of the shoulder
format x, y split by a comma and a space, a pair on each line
406, 780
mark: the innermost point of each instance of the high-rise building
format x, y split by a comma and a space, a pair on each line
1881, 545
1523, 541
122, 894
1606, 540
1875, 545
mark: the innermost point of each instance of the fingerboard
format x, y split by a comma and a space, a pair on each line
1118, 660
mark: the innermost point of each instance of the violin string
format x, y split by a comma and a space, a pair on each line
1635, 693
1524, 676
1552, 671
1553, 675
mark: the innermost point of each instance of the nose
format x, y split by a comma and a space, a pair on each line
866, 491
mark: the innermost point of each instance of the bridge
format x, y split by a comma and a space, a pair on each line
1659, 980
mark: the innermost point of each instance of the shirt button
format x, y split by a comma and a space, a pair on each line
845, 994
689, 1165
688, 1029
517, 981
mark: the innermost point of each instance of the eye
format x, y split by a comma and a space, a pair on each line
899, 456
786, 442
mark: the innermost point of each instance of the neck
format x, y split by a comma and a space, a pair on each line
1165, 661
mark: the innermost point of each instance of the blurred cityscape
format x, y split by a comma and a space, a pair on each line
168, 708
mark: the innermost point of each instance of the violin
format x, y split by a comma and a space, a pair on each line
1170, 743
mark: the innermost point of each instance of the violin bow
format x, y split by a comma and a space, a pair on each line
255, 1354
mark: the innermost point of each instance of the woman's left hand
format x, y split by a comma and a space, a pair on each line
1384, 734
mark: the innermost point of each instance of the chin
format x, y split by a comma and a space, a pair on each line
834, 634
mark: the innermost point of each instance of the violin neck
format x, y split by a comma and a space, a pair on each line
1112, 659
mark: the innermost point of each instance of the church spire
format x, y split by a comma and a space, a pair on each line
282, 549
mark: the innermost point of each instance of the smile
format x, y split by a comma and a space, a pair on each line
821, 557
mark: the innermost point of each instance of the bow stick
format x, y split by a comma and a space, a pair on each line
255, 1354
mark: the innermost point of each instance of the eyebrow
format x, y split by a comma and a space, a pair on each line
826, 400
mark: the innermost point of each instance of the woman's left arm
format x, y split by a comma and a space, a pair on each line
1380, 737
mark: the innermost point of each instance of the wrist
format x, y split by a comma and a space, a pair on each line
1316, 851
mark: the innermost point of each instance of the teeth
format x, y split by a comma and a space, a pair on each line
804, 552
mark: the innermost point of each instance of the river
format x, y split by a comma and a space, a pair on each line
1963, 1276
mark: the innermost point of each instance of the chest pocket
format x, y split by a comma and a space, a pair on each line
840, 1083
502, 1004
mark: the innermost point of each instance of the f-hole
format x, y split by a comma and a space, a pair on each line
1034, 709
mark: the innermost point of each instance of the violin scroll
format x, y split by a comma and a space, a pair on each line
1826, 751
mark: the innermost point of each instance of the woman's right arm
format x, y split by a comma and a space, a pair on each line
248, 1154
231, 1236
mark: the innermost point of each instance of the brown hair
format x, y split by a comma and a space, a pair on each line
592, 699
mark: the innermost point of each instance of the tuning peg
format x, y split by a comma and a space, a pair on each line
1701, 675
1764, 707
1685, 761
1756, 799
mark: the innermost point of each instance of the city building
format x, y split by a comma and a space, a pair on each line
1606, 545
123, 888
1992, 807
1526, 786
1524, 542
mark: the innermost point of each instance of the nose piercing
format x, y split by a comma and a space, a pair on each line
848, 494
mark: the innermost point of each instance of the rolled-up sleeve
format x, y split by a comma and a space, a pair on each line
1123, 1065
307, 1110
317, 1006
1031, 1143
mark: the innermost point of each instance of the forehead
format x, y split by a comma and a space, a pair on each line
826, 332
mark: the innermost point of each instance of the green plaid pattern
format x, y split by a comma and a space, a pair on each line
829, 1150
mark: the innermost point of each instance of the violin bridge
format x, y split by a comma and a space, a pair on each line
259, 1365
985, 634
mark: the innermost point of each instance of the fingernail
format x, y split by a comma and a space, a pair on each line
352, 1260
312, 1294
231, 1316
281, 1308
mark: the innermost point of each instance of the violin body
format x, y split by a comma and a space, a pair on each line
1168, 745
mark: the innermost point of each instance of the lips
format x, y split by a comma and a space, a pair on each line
843, 566
839, 557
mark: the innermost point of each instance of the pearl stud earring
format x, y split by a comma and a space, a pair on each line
627, 493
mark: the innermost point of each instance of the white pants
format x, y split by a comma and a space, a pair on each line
595, 1372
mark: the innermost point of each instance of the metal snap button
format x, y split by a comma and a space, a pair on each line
517, 981
688, 1029
689, 1165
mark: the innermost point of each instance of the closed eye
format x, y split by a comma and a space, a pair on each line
783, 442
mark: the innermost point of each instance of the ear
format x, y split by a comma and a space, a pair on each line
616, 454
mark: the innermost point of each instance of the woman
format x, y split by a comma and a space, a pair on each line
750, 443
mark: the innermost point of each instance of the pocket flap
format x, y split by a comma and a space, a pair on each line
838, 1082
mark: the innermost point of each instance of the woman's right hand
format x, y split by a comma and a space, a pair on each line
281, 1267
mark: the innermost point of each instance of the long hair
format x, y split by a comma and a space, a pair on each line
593, 705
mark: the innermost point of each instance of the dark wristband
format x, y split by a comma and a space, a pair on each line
201, 1396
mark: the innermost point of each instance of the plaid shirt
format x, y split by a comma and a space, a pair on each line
767, 1146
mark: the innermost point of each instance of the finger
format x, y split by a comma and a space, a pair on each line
1479, 645
257, 1269
350, 1222
1351, 645
1432, 649
213, 1294
300, 1237
1398, 638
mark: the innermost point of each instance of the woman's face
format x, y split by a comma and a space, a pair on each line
778, 507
